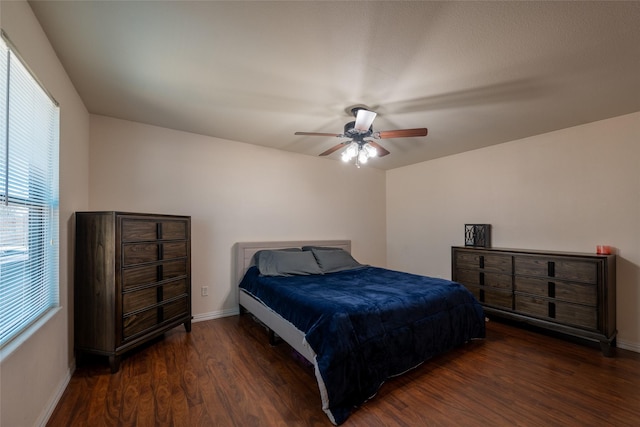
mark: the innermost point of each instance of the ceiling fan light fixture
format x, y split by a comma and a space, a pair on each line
350, 152
360, 148
363, 157
364, 120
370, 150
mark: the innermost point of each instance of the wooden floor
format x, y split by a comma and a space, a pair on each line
225, 374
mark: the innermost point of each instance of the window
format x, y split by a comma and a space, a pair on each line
29, 132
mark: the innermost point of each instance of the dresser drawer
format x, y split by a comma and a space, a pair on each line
500, 281
531, 266
134, 301
492, 298
475, 290
175, 309
173, 289
139, 322
497, 299
578, 315
174, 230
147, 274
497, 263
137, 230
480, 278
143, 230
574, 270
466, 259
485, 261
553, 310
140, 276
579, 271
139, 253
534, 306
468, 277
143, 298
581, 293
171, 269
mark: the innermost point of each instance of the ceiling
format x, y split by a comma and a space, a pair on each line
473, 73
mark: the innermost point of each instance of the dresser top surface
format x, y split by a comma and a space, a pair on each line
138, 214
532, 252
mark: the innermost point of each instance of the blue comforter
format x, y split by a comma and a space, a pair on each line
368, 324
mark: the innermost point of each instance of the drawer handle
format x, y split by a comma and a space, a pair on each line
552, 310
551, 289
551, 269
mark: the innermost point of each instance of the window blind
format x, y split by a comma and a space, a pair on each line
29, 140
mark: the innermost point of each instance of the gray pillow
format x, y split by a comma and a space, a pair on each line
332, 260
256, 256
286, 263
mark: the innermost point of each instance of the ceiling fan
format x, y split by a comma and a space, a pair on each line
358, 147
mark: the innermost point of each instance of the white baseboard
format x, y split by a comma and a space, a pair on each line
215, 314
43, 419
626, 345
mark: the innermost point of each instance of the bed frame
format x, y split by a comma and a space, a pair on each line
276, 324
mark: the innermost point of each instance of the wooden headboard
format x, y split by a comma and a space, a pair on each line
244, 251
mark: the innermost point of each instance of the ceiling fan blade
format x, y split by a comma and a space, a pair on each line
335, 148
400, 133
364, 120
381, 150
317, 134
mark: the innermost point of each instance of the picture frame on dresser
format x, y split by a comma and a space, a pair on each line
477, 235
571, 293
132, 280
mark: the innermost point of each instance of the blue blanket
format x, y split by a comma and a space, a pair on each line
368, 324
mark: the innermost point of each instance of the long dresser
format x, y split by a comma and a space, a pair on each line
132, 280
570, 293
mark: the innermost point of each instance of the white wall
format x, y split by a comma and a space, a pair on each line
234, 192
34, 374
567, 190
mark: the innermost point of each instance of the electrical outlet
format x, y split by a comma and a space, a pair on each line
204, 291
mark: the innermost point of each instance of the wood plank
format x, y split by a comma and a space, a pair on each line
225, 373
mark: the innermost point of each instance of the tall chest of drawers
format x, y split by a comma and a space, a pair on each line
570, 293
132, 280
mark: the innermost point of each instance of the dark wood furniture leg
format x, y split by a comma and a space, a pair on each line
273, 338
114, 363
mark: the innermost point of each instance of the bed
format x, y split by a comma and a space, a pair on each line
357, 324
